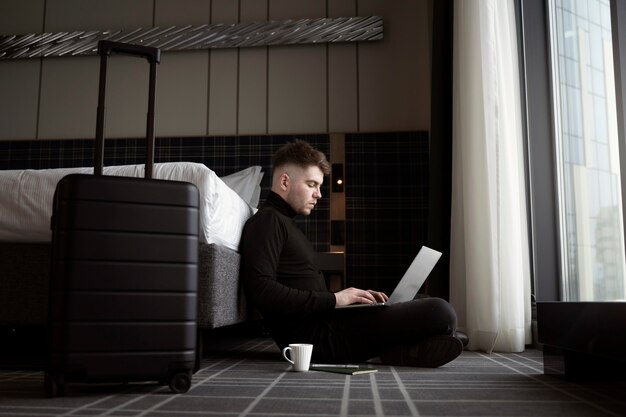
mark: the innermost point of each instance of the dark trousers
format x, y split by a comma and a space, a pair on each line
359, 334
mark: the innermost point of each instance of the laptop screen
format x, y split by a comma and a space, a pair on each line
415, 275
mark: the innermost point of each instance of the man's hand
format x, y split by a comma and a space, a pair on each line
357, 296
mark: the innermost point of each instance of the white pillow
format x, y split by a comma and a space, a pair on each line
246, 183
26, 201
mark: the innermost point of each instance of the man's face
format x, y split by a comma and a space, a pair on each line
303, 188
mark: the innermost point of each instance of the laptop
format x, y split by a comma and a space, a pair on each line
412, 281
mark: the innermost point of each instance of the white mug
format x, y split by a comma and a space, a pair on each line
300, 356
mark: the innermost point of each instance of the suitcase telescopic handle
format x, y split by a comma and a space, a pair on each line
150, 53
153, 55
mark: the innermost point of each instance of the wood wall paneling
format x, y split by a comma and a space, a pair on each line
253, 11
182, 12
68, 15
69, 97
225, 11
372, 86
297, 75
296, 9
181, 99
297, 89
19, 17
394, 74
223, 92
127, 97
252, 100
69, 85
342, 8
183, 80
19, 84
342, 76
223, 75
19, 80
342, 88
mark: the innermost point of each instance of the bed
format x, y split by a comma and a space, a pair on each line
25, 210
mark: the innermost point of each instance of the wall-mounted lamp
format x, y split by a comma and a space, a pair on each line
337, 178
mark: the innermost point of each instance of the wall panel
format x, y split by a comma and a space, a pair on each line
182, 81
369, 86
69, 97
223, 92
181, 99
127, 97
296, 9
342, 76
342, 88
297, 75
253, 11
394, 74
252, 91
19, 80
223, 76
68, 15
19, 17
297, 89
341, 8
252, 100
69, 85
19, 84
182, 12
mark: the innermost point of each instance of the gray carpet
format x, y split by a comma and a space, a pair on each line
246, 377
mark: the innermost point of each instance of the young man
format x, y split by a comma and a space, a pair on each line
281, 279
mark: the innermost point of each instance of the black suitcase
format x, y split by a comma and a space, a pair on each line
124, 271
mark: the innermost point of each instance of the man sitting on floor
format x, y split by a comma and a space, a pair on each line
281, 279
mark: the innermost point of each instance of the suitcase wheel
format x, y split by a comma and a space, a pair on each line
181, 382
54, 385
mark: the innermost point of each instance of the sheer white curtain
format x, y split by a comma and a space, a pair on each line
489, 268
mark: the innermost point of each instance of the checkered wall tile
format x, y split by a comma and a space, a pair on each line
386, 186
386, 206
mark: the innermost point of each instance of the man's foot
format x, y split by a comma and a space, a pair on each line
430, 353
462, 336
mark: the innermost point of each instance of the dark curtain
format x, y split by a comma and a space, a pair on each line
440, 183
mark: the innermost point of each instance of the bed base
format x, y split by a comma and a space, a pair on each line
26, 271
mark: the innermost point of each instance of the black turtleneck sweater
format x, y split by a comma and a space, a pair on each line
278, 268
282, 280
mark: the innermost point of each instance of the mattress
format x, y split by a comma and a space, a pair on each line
26, 201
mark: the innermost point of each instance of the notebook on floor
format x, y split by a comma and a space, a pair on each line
412, 281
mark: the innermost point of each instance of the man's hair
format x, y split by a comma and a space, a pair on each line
302, 154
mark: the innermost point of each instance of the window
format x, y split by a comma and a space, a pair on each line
575, 111
586, 150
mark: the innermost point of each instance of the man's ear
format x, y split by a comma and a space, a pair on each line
283, 181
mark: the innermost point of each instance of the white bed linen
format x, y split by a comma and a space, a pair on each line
246, 183
26, 201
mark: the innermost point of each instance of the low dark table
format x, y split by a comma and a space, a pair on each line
583, 339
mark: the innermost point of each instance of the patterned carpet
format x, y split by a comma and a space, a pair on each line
246, 377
